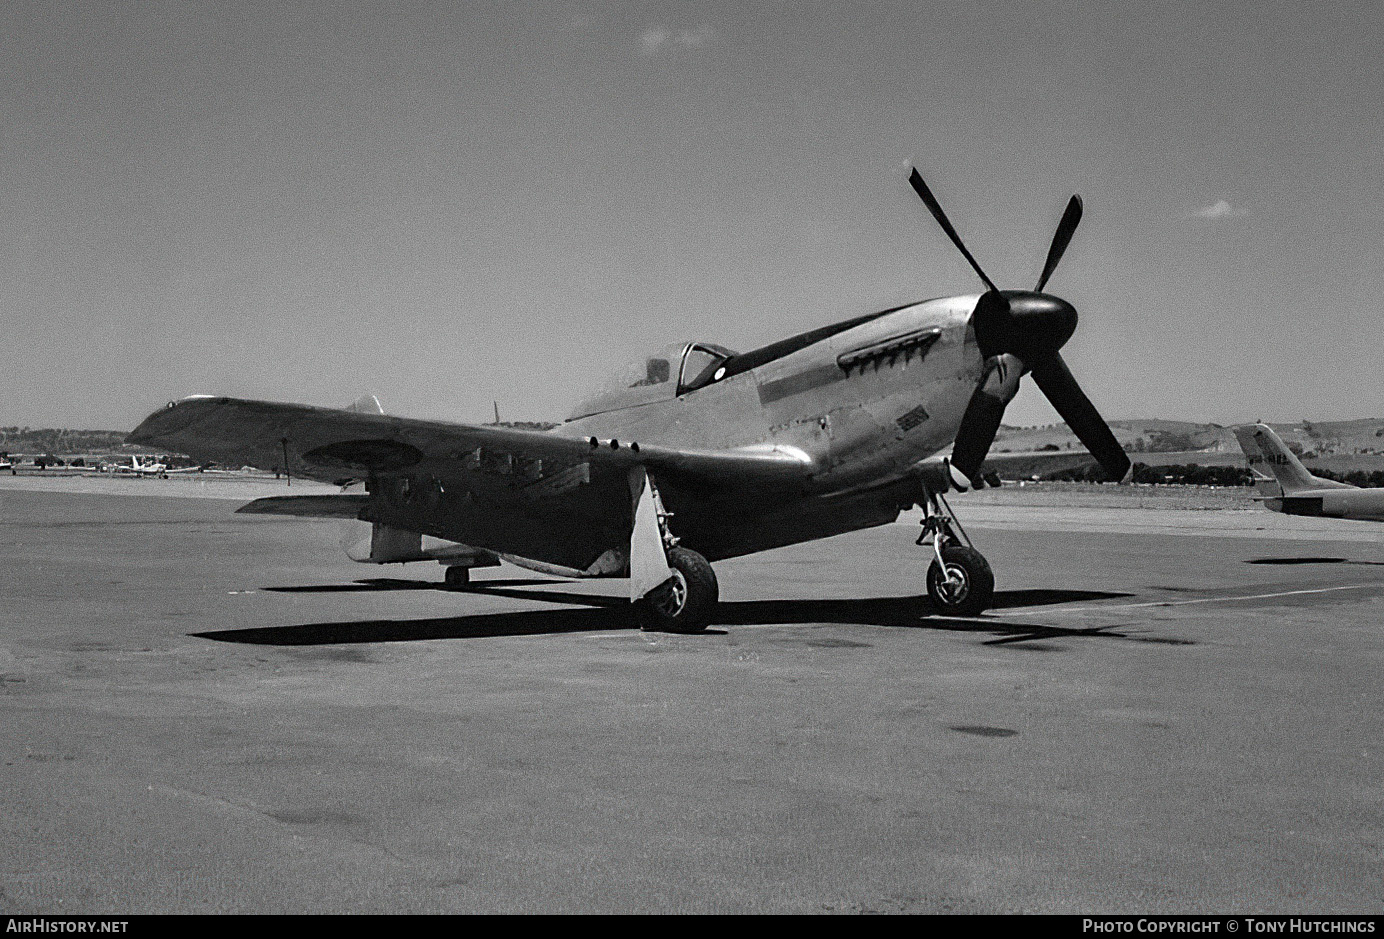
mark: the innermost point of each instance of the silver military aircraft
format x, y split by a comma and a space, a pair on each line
1289, 487
692, 454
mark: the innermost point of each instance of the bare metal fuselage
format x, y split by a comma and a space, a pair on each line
862, 407
864, 411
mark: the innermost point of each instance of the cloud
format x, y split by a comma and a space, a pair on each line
1221, 209
651, 40
657, 38
694, 38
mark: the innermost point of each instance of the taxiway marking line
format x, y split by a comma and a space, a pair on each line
1043, 611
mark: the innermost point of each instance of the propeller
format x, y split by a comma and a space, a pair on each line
1071, 218
1022, 331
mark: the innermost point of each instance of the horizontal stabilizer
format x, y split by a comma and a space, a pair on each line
335, 505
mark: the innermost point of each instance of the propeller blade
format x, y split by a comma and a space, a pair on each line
984, 411
1061, 388
979, 425
935, 208
1060, 239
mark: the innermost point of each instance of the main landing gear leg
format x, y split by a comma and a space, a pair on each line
959, 581
685, 603
674, 589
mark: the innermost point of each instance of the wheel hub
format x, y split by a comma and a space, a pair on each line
672, 596
955, 585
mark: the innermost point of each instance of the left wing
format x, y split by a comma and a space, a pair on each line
1039, 463
329, 444
331, 505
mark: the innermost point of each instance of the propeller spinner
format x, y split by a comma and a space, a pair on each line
1022, 331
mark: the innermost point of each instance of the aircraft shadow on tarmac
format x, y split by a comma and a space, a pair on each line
1313, 560
390, 583
604, 613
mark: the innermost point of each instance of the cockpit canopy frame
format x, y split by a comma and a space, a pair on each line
677, 369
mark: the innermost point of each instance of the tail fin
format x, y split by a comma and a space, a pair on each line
1286, 467
368, 404
1264, 483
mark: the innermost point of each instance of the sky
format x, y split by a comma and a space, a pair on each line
454, 204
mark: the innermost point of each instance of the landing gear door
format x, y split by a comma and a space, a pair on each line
648, 559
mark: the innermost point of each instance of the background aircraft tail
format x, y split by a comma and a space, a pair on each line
366, 404
1272, 453
1264, 483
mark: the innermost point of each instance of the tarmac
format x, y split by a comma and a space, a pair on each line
1166, 711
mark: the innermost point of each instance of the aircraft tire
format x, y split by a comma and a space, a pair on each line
684, 604
973, 594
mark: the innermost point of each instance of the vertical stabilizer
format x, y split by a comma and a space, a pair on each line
368, 404
1286, 467
1264, 483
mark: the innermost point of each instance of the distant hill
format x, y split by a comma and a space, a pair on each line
1341, 446
1311, 439
61, 441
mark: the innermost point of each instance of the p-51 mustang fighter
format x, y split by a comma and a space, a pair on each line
693, 454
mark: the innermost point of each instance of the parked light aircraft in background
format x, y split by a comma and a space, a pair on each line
1289, 488
694, 453
153, 468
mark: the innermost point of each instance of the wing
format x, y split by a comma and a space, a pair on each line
328, 444
534, 494
336, 505
1040, 463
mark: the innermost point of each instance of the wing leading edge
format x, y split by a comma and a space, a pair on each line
328, 444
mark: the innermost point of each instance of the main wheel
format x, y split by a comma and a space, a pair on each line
685, 603
457, 576
965, 587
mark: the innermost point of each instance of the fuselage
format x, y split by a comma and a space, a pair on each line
860, 402
865, 403
1366, 505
